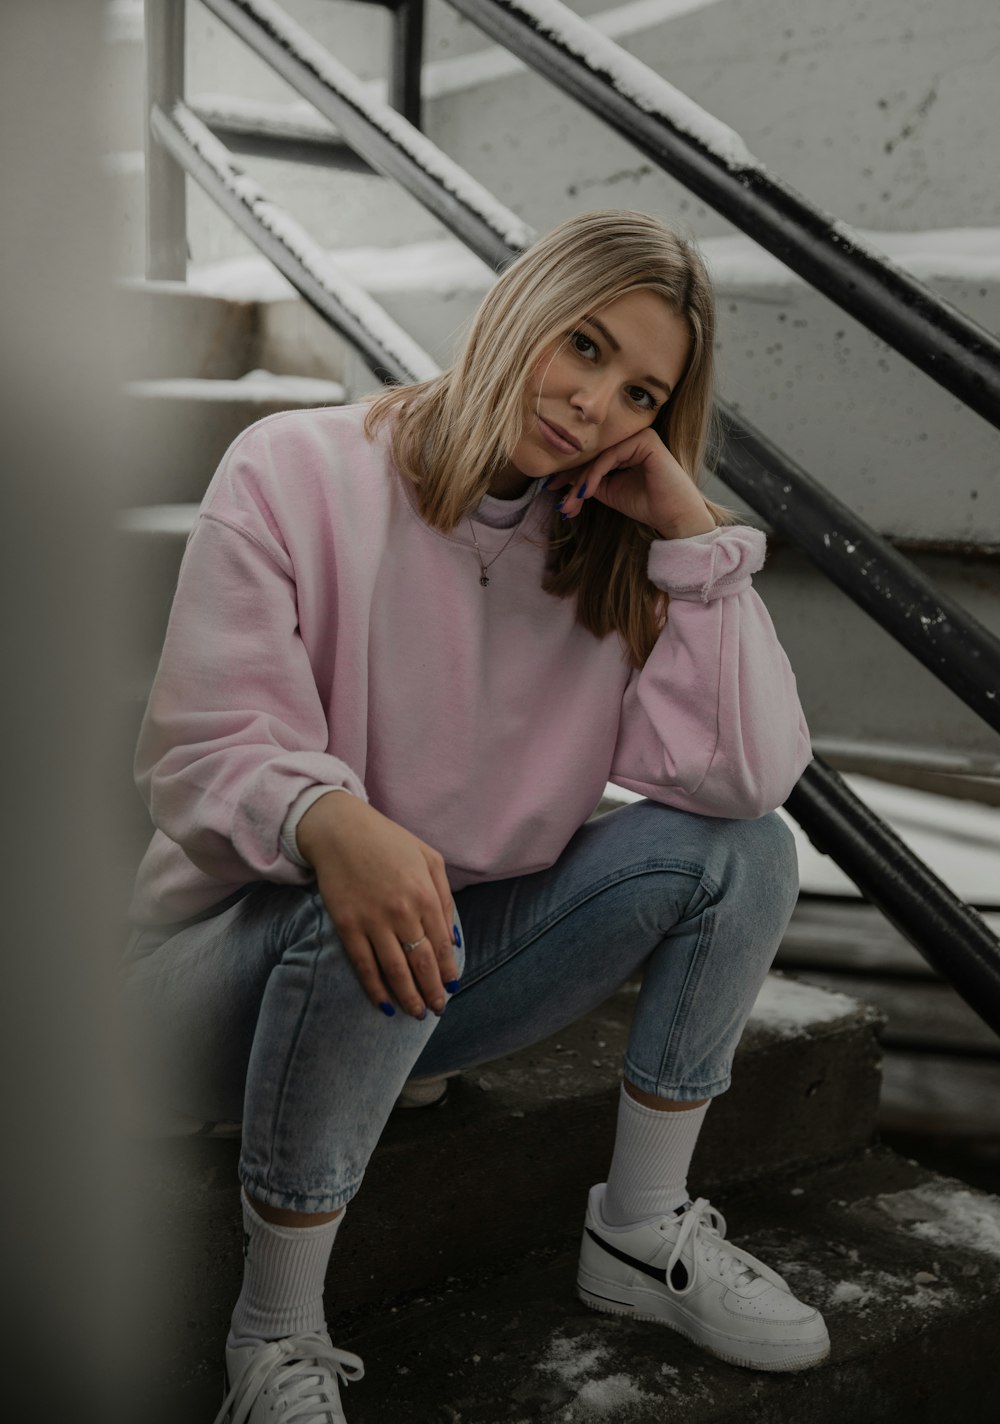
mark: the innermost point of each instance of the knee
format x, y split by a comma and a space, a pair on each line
765, 868
775, 853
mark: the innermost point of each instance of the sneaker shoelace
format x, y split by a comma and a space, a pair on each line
701, 1238
300, 1367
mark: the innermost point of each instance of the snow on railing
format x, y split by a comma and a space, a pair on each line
375, 130
298, 256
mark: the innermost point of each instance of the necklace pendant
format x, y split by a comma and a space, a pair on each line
484, 581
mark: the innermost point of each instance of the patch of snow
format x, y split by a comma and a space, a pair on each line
970, 253
452, 76
947, 1216
260, 387
786, 1007
170, 521
849, 1293
280, 120
257, 386
870, 1289
123, 21
125, 163
607, 1398
572, 1359
577, 1362
636, 81
442, 266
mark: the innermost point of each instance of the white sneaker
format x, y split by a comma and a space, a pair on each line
680, 1271
293, 1379
424, 1092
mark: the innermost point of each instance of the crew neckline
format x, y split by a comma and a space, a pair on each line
501, 513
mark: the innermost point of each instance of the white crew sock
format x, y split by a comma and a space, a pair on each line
649, 1166
283, 1272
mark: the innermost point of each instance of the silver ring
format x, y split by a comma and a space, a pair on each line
411, 947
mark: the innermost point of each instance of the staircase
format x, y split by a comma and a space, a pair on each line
454, 1269
454, 1272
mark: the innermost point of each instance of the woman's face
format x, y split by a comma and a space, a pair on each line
605, 380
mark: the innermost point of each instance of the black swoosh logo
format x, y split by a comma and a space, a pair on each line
658, 1273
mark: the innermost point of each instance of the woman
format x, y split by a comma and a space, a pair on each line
451, 606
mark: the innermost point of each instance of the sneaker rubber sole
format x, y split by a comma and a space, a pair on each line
779, 1356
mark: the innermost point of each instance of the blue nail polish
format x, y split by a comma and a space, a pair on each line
453, 986
457, 936
561, 502
564, 516
420, 1017
387, 1009
582, 492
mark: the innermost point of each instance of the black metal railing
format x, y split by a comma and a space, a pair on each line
714, 163
946, 638
388, 351
948, 933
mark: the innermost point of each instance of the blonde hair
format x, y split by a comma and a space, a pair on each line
456, 432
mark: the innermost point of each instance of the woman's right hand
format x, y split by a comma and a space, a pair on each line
382, 886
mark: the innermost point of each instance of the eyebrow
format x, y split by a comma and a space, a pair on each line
651, 380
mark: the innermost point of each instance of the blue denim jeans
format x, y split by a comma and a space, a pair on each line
256, 1013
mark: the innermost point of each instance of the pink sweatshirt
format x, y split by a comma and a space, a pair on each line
323, 635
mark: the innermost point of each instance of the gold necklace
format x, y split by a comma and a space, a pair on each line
483, 567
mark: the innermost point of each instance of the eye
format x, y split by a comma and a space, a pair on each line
583, 344
639, 396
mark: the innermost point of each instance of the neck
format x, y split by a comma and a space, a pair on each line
509, 484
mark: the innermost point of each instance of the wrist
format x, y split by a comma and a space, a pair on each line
319, 820
687, 525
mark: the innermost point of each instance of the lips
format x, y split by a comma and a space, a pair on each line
557, 437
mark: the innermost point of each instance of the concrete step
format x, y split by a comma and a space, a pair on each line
805, 1090
177, 429
171, 329
904, 1264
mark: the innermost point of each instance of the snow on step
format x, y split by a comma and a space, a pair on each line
946, 1215
165, 521
256, 387
787, 1008
436, 267
445, 265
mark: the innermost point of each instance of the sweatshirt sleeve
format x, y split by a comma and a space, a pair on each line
712, 722
235, 729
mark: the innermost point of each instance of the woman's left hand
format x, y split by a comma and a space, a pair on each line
640, 479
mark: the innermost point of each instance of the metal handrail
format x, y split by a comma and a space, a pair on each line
959, 650
949, 934
953, 938
713, 162
381, 135
391, 354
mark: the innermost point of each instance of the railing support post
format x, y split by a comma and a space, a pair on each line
166, 201
407, 59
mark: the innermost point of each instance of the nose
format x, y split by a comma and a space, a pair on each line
591, 399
